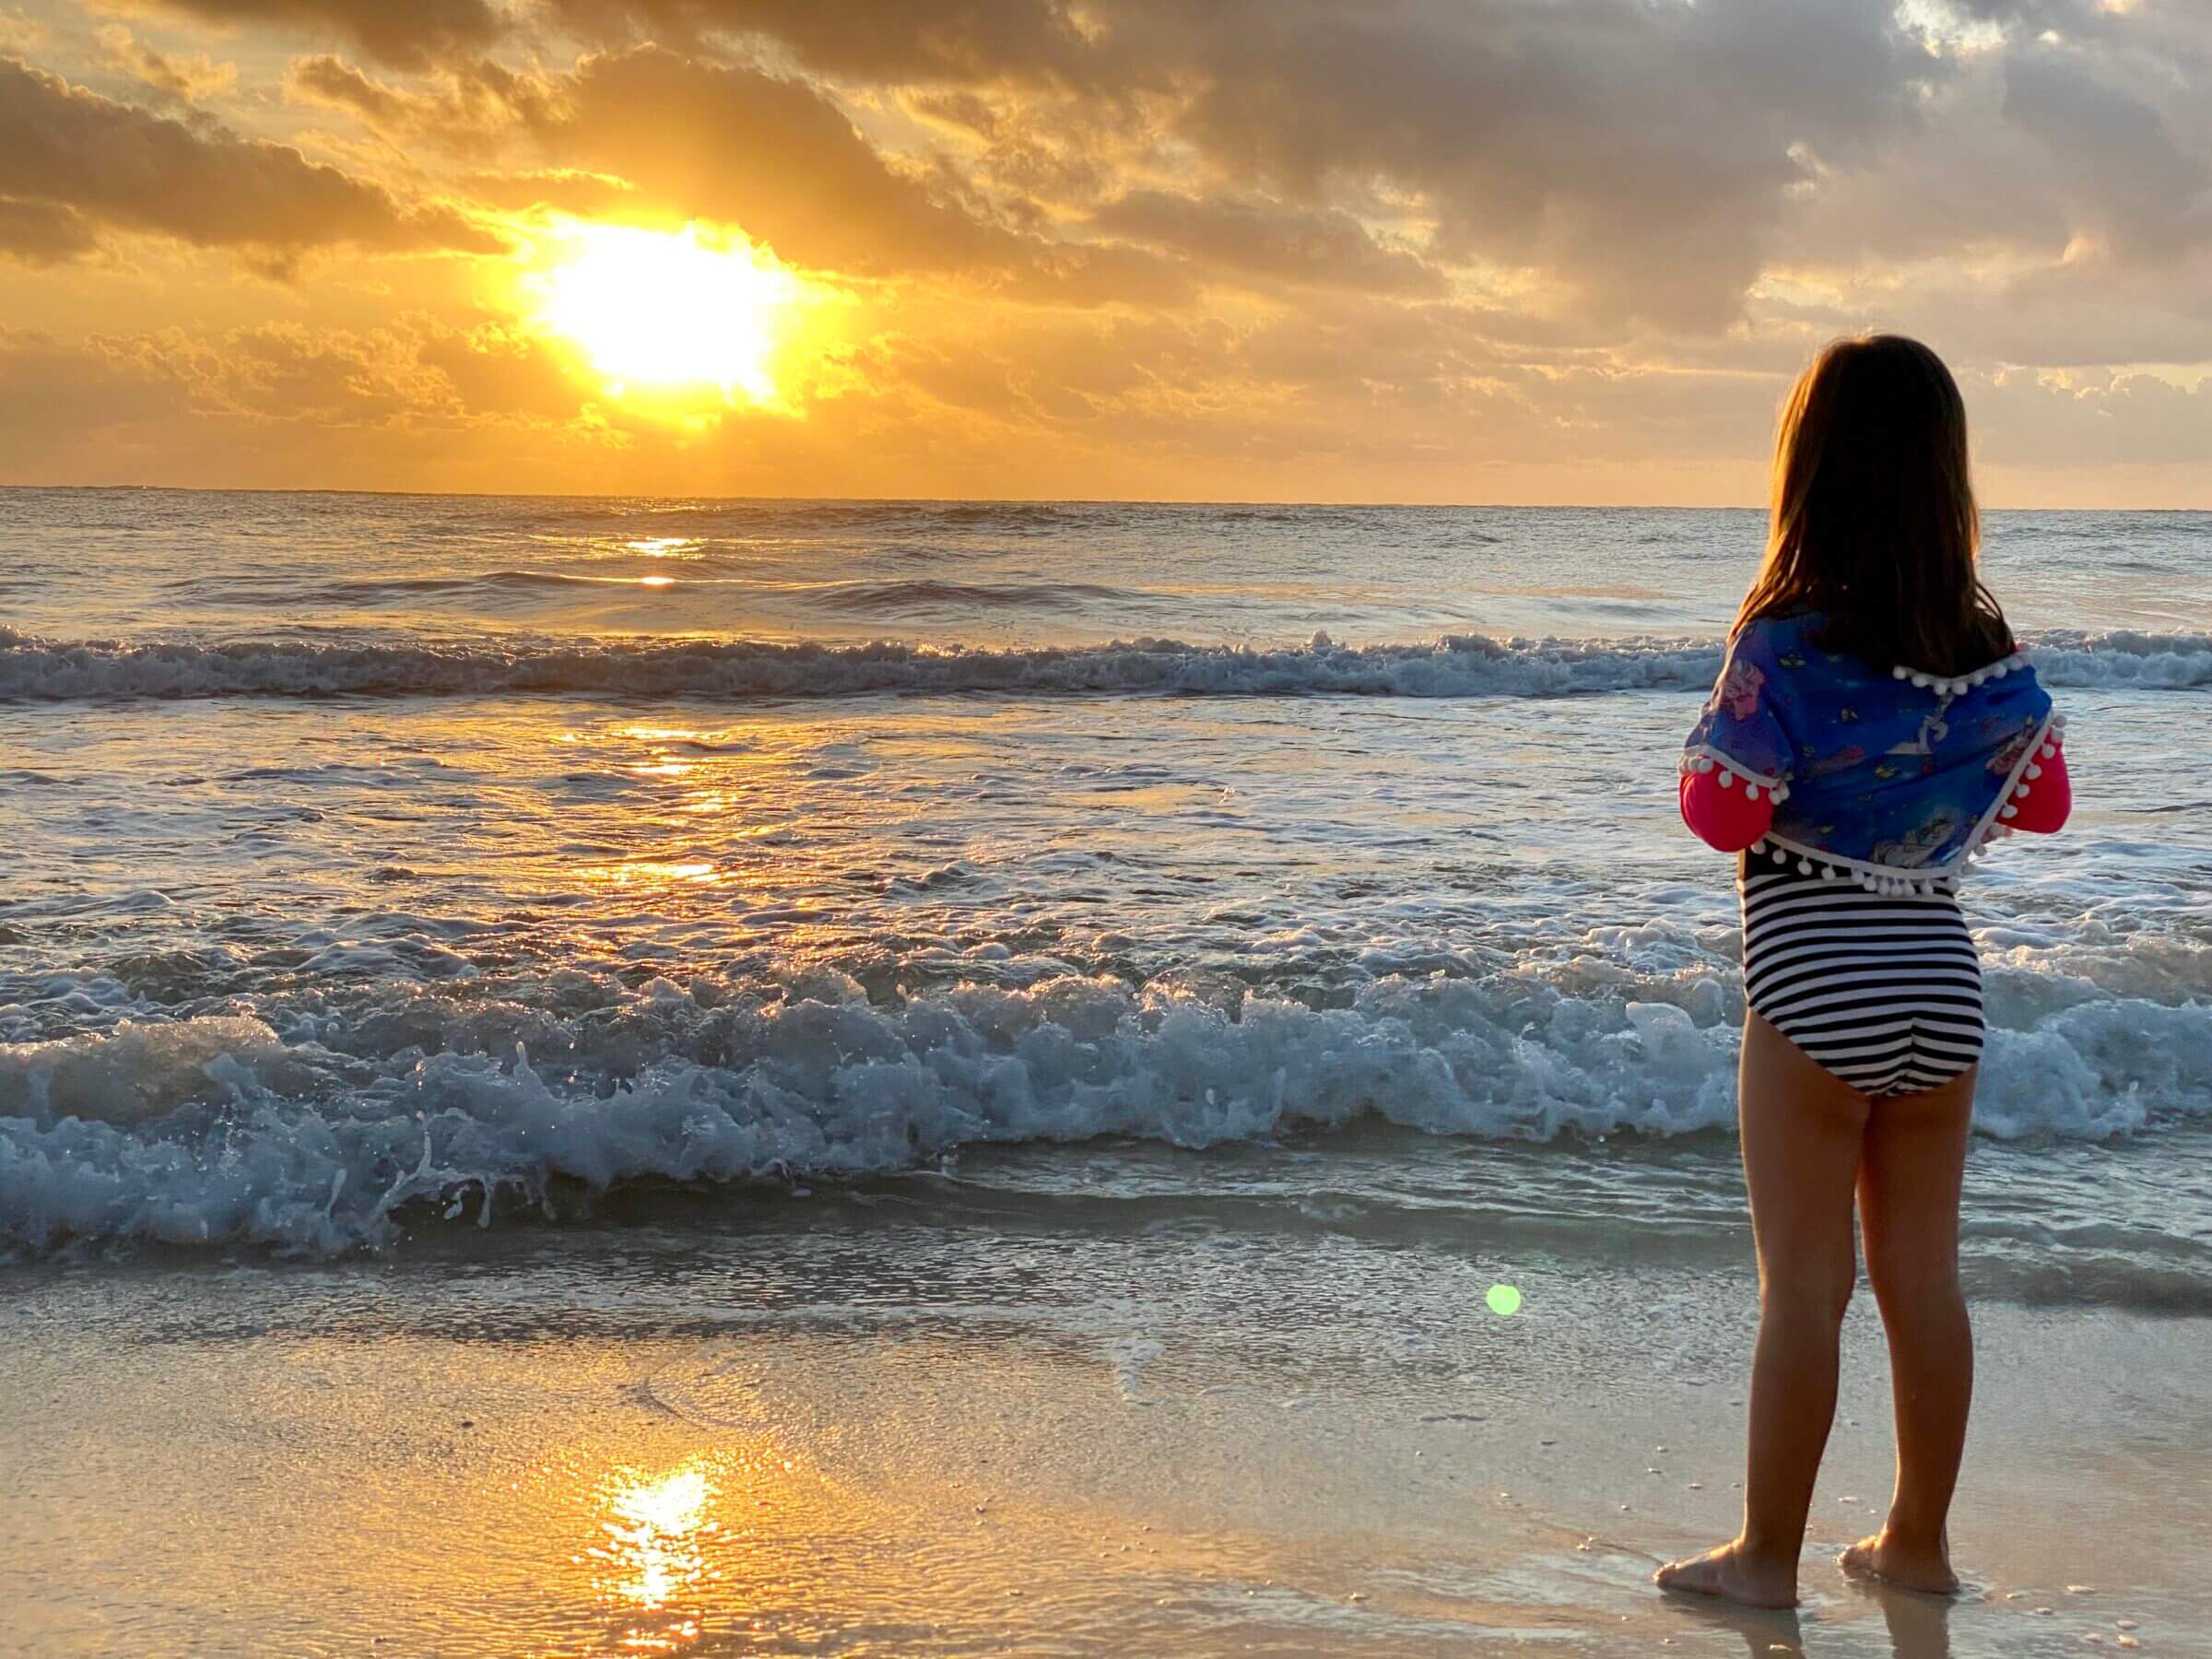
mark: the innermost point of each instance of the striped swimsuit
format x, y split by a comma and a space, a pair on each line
1883, 990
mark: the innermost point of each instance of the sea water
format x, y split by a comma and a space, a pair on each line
383, 873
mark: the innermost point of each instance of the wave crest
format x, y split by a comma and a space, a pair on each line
1456, 666
221, 1129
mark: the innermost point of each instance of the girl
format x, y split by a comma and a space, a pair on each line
1874, 725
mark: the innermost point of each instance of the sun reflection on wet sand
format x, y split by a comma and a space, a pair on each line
658, 1531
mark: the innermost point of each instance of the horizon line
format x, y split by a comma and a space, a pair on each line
1038, 500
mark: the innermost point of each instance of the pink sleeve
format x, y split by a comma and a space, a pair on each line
2049, 799
1725, 819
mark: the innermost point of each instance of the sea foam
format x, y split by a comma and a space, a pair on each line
327, 1132
1456, 666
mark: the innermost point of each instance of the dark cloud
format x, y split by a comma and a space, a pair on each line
2110, 153
1635, 151
1645, 157
781, 159
406, 34
1271, 244
476, 107
1636, 155
43, 233
760, 150
888, 40
331, 83
123, 167
1136, 242
2093, 420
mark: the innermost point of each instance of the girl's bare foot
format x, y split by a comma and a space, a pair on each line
1733, 1574
1884, 1557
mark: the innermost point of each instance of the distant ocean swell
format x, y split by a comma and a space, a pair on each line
322, 1131
1456, 666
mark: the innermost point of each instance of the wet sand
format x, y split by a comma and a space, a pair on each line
871, 1431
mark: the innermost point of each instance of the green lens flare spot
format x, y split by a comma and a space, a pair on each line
1503, 1299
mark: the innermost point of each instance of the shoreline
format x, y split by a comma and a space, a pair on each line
887, 1434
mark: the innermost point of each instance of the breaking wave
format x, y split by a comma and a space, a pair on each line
326, 1130
1456, 666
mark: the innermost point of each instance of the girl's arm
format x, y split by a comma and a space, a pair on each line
2049, 799
1728, 821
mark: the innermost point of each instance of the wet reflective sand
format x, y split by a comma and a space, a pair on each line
878, 1431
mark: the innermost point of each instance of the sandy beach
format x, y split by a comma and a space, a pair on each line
858, 1423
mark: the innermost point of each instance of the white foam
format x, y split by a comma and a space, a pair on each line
1456, 666
215, 1130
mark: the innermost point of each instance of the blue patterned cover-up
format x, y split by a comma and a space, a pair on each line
1891, 777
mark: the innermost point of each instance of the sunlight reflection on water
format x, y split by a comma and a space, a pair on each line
658, 1531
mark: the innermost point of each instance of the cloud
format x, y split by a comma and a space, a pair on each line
472, 108
126, 169
55, 396
406, 34
43, 232
19, 33
1634, 152
568, 190
186, 80
779, 157
885, 41
769, 153
1641, 160
1532, 248
1269, 243
2057, 420
415, 372
2110, 154
271, 403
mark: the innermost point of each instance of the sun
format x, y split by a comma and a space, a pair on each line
669, 312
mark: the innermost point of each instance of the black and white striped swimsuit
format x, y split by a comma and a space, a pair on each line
1883, 990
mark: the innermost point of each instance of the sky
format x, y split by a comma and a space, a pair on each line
1309, 250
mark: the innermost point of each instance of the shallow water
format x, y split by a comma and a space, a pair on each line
1076, 1401
384, 866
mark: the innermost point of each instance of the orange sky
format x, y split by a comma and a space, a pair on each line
1400, 250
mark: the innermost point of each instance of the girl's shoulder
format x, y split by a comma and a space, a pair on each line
1787, 643
1801, 642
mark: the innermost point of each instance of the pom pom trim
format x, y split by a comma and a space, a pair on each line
1959, 685
1994, 824
1924, 881
1701, 757
1886, 879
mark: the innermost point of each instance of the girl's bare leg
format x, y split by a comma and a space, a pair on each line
1800, 1127
1909, 1181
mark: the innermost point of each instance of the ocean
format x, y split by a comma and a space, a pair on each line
384, 863
1199, 936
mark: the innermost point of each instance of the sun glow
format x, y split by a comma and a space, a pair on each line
669, 312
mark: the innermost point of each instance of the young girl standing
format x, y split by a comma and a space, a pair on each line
1874, 725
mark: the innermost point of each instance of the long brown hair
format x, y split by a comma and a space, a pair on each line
1874, 521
